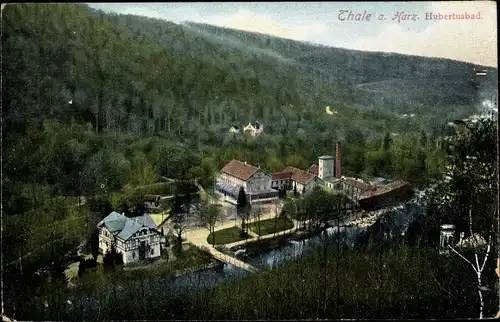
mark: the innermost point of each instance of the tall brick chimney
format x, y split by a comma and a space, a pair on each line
338, 169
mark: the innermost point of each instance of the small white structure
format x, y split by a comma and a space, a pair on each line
136, 238
474, 241
446, 238
234, 129
254, 128
330, 111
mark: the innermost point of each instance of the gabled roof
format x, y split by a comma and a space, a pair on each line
281, 175
131, 227
240, 170
300, 176
314, 169
124, 227
145, 220
114, 222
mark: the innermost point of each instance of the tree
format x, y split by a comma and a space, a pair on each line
112, 259
209, 214
58, 271
86, 264
94, 242
243, 210
467, 194
179, 217
139, 209
386, 144
257, 215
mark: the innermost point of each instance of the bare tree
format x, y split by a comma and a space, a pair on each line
179, 218
209, 215
467, 195
478, 266
257, 214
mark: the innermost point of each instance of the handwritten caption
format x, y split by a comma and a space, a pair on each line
402, 16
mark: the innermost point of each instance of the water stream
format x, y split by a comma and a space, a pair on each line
394, 222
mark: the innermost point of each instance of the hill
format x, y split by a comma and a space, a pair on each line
91, 95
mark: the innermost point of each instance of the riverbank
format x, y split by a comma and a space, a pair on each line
300, 232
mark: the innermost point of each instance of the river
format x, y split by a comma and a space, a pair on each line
395, 221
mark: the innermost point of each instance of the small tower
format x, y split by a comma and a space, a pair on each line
446, 238
326, 166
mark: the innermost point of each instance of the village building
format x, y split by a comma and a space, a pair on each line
234, 129
292, 178
135, 238
254, 128
261, 186
367, 195
255, 181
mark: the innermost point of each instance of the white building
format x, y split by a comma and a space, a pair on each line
136, 238
254, 128
237, 174
234, 129
292, 178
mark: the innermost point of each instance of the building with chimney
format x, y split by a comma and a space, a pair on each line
368, 195
262, 187
254, 180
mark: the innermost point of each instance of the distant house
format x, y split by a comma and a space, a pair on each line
136, 238
234, 129
254, 128
237, 174
330, 111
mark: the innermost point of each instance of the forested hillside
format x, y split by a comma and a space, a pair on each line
97, 104
106, 80
90, 97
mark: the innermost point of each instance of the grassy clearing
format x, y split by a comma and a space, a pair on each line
270, 226
160, 217
225, 236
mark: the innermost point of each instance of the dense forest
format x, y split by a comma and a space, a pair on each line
96, 103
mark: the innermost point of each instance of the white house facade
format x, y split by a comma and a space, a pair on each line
237, 174
254, 128
292, 178
136, 238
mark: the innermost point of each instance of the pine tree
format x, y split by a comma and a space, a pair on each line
242, 208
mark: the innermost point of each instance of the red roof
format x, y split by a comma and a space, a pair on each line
300, 176
281, 175
240, 170
314, 169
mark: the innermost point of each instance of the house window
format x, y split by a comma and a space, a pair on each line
133, 255
152, 251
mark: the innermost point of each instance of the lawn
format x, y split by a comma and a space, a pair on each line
159, 218
225, 236
270, 226
300, 216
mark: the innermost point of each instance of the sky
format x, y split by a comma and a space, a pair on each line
469, 40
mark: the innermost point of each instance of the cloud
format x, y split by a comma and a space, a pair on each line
466, 40
250, 21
